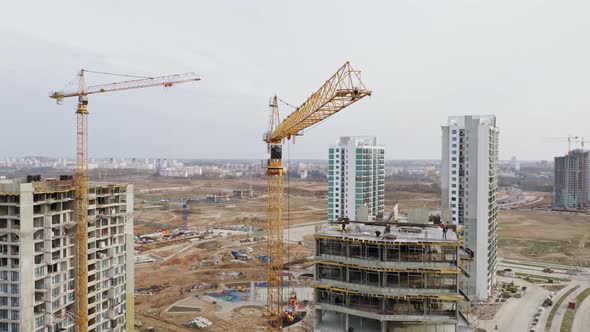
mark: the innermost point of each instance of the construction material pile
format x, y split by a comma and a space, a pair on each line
199, 323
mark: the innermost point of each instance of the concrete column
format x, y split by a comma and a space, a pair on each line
130, 266
383, 326
27, 254
346, 323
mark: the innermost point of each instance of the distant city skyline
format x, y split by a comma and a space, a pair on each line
73, 158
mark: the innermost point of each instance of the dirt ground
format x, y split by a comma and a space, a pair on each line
544, 236
158, 203
523, 234
158, 206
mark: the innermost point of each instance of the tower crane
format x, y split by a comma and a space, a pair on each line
569, 139
81, 172
341, 90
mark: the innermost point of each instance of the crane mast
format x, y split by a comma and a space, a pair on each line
344, 88
81, 199
81, 183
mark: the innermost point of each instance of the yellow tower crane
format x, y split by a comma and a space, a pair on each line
341, 90
81, 173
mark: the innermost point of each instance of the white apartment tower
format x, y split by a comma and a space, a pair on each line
356, 179
38, 257
469, 183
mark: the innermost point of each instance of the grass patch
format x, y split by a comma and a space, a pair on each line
540, 264
562, 252
570, 314
183, 309
555, 306
539, 279
533, 248
568, 320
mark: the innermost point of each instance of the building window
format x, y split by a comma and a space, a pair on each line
454, 145
454, 131
454, 159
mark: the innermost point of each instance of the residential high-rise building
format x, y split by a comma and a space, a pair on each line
356, 179
373, 278
572, 180
469, 183
38, 257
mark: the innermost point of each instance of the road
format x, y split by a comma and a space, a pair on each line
517, 314
556, 326
582, 318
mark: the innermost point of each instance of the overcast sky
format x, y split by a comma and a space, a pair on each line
525, 61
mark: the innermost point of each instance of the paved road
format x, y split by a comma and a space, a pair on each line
556, 326
556, 297
517, 314
582, 319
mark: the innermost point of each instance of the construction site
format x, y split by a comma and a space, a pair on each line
211, 256
216, 269
203, 263
151, 252
184, 274
388, 277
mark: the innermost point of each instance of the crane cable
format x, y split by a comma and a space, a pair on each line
75, 79
286, 103
288, 206
115, 74
296, 108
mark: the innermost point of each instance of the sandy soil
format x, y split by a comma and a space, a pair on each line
523, 234
544, 236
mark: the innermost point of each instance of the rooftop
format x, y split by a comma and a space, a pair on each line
398, 233
12, 186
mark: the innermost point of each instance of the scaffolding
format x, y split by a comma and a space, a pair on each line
396, 275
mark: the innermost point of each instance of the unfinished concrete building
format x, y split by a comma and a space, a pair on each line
571, 190
369, 278
38, 258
